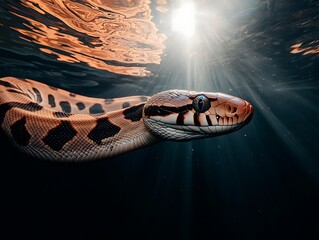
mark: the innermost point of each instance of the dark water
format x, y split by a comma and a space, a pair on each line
261, 182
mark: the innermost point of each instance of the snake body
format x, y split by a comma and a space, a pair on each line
50, 123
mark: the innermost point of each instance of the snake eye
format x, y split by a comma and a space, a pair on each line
201, 103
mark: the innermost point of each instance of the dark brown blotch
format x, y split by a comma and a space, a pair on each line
209, 121
196, 119
61, 114
7, 84
165, 110
19, 92
80, 105
180, 118
19, 132
103, 129
134, 113
37, 94
32, 107
126, 105
96, 109
60, 135
66, 106
51, 100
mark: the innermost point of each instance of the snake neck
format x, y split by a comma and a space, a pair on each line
133, 135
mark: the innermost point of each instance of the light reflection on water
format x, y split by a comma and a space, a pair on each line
306, 48
107, 35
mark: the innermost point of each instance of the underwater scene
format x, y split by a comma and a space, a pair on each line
159, 119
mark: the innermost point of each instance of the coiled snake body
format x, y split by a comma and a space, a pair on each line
54, 124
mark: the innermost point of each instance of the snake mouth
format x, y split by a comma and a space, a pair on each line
187, 132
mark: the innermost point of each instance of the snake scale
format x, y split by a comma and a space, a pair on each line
50, 123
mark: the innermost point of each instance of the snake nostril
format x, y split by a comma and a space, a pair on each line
233, 109
228, 108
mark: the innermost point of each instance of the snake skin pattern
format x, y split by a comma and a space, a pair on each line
50, 123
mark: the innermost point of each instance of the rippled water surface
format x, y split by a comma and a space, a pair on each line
258, 183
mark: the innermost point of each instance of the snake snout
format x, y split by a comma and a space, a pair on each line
249, 113
237, 109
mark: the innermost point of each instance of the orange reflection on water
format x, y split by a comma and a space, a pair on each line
306, 48
162, 6
116, 36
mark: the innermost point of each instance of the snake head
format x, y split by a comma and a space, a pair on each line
184, 115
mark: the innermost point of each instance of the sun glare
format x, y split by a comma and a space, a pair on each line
183, 20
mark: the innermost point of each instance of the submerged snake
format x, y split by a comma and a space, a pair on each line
50, 123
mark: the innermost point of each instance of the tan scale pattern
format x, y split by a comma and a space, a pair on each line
48, 131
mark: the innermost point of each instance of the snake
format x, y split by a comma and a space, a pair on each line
54, 124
